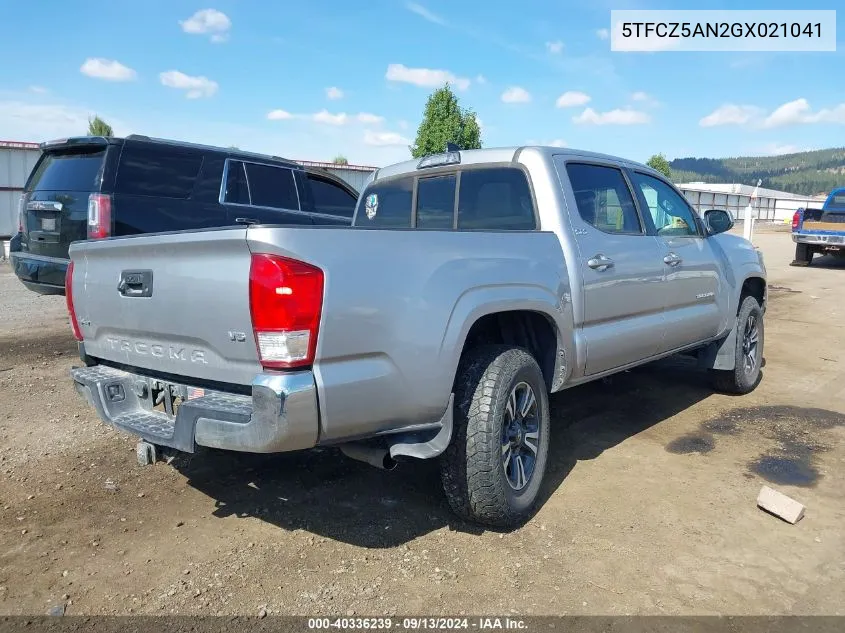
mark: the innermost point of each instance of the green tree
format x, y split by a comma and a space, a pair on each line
659, 163
444, 121
340, 159
98, 127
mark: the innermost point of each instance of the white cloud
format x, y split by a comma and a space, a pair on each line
334, 93
730, 114
31, 122
403, 125
208, 22
480, 79
799, 111
324, 116
425, 77
619, 116
424, 13
385, 139
327, 118
39, 90
603, 34
555, 48
572, 98
279, 115
555, 143
366, 117
640, 96
107, 69
516, 94
194, 87
796, 112
776, 149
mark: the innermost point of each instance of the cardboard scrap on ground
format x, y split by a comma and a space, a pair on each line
780, 505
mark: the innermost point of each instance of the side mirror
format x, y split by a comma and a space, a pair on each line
717, 221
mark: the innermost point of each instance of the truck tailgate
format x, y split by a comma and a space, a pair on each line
173, 304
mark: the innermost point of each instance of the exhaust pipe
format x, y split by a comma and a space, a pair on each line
378, 457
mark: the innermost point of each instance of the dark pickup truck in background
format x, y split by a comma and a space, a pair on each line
94, 187
820, 230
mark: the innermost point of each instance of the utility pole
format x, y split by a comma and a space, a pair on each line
748, 226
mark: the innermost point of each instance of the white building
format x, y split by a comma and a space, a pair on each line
16, 161
771, 205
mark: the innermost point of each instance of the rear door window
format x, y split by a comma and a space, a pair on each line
237, 191
69, 171
330, 198
163, 172
271, 186
436, 202
497, 198
386, 204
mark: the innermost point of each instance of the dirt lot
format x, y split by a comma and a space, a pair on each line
649, 506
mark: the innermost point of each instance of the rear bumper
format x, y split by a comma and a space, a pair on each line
41, 274
280, 415
820, 239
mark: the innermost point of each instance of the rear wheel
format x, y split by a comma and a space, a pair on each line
494, 465
745, 376
803, 255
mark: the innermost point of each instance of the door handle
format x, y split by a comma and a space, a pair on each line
673, 259
600, 263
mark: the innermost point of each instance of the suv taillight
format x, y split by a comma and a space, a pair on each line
796, 219
99, 216
285, 301
74, 324
22, 214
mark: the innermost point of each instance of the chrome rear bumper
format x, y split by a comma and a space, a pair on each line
280, 415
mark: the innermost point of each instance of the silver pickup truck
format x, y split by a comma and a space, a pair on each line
471, 285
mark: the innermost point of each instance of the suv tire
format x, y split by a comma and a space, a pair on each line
493, 468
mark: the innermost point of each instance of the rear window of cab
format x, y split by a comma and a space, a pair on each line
490, 198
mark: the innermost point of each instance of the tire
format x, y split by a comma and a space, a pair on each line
472, 468
803, 255
745, 376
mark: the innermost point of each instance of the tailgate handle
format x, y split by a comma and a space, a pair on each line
136, 283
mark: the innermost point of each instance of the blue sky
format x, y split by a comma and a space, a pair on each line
309, 80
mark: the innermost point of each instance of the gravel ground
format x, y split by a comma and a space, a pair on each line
649, 505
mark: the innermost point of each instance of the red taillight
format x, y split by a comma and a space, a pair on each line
285, 301
796, 220
74, 324
99, 216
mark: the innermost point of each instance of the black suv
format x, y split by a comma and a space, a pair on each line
94, 187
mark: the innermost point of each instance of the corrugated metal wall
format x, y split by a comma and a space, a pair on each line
16, 161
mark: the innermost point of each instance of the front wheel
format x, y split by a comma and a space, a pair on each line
494, 465
745, 376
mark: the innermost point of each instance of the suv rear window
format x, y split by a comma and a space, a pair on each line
271, 186
164, 172
68, 171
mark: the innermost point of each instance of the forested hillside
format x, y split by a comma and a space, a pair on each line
806, 173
